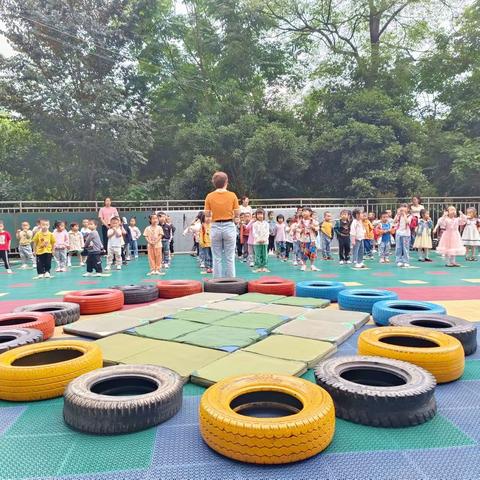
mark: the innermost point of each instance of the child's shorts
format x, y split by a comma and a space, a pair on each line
309, 251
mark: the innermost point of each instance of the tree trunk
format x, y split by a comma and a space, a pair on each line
374, 27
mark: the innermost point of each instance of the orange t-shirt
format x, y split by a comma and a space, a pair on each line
221, 203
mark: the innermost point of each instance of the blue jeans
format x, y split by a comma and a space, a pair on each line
297, 251
325, 242
134, 248
281, 248
206, 253
368, 247
223, 237
166, 251
357, 252
384, 249
402, 248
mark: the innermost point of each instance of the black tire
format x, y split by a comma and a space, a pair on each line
225, 285
122, 399
18, 337
465, 332
377, 391
63, 312
138, 293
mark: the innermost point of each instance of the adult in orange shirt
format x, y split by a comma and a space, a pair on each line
222, 207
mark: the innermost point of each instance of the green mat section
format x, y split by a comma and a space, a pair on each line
264, 321
305, 302
228, 339
258, 297
180, 357
317, 330
357, 319
236, 307
202, 315
282, 310
168, 329
436, 433
53, 449
293, 348
117, 347
243, 363
472, 370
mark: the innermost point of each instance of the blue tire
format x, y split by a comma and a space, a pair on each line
319, 289
363, 299
382, 311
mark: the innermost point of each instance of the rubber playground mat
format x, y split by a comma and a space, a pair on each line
35, 443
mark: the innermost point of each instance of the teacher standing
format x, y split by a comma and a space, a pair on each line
105, 214
221, 206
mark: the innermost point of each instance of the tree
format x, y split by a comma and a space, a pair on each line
70, 79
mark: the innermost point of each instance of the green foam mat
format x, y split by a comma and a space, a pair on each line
244, 363
228, 339
254, 321
229, 306
293, 348
317, 330
103, 326
258, 297
357, 319
305, 302
180, 357
202, 315
119, 346
167, 329
283, 310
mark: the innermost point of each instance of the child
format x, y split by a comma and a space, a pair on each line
280, 237
384, 231
471, 235
85, 231
62, 244
342, 229
5, 241
423, 236
37, 227
173, 229
167, 235
206, 244
43, 242
260, 232
439, 227
307, 231
289, 239
357, 236
451, 244
194, 229
154, 234
368, 240
250, 243
402, 236
76, 243
244, 235
135, 234
326, 235
272, 230
94, 247
372, 217
115, 242
297, 244
127, 239
24, 237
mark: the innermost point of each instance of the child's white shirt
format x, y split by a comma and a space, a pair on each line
357, 230
261, 232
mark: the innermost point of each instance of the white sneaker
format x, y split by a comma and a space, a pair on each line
314, 268
63, 269
82, 264
303, 268
349, 261
252, 264
399, 264
150, 273
107, 267
47, 275
136, 257
87, 274
118, 267
406, 265
9, 270
39, 277
295, 263
382, 260
167, 265
341, 262
24, 266
58, 269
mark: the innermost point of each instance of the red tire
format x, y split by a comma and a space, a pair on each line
45, 322
178, 288
97, 300
273, 286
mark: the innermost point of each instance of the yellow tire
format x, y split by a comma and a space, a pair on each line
43, 370
438, 353
304, 428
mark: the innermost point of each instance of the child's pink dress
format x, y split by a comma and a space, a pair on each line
451, 242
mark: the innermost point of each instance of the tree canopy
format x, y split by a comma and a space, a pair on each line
321, 98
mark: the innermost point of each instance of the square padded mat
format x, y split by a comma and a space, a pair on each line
117, 347
229, 306
103, 325
258, 297
228, 339
283, 310
198, 300
317, 330
293, 348
180, 357
151, 313
202, 315
305, 302
168, 329
254, 321
357, 319
244, 363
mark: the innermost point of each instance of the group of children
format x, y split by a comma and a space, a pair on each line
38, 246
